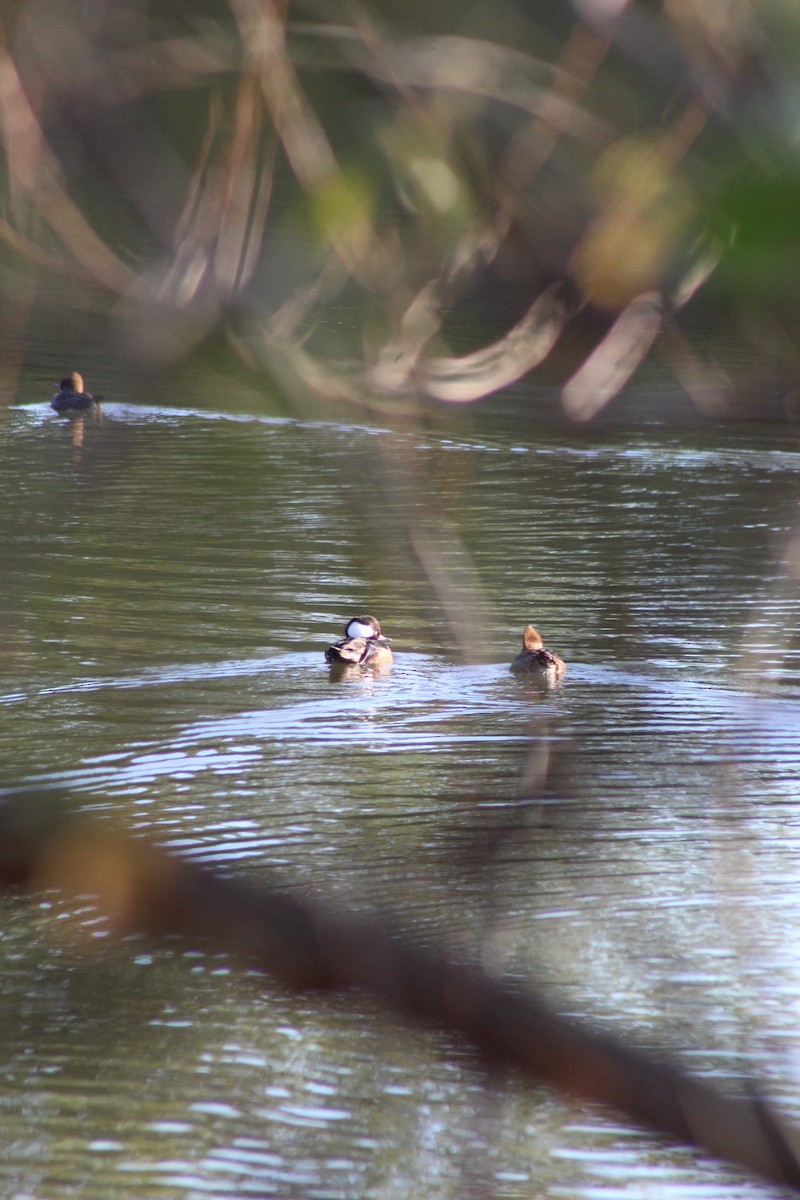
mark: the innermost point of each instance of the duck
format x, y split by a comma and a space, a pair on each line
534, 659
363, 645
71, 397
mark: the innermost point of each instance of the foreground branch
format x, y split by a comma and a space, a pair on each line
143, 889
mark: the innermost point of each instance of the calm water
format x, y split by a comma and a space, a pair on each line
629, 840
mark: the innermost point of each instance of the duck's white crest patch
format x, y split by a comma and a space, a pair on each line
359, 629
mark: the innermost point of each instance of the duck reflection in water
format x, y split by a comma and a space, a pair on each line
535, 661
363, 645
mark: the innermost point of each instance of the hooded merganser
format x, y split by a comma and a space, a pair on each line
535, 659
72, 398
363, 645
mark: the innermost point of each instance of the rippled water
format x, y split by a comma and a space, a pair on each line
628, 840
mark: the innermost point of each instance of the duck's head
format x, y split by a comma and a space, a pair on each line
363, 627
531, 640
73, 383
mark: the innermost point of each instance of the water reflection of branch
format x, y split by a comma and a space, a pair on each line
140, 888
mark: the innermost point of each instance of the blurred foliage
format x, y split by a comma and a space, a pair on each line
486, 190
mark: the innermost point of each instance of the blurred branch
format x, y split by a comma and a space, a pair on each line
610, 366
471, 65
36, 188
302, 134
597, 171
140, 888
494, 367
220, 231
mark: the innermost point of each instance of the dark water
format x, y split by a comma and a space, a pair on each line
628, 840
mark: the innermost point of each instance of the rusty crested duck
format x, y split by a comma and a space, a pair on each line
534, 659
71, 396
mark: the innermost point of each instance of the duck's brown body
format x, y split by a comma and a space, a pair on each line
362, 645
71, 397
534, 659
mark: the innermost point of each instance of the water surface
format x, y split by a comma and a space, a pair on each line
628, 840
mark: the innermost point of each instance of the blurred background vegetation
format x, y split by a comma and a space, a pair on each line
482, 193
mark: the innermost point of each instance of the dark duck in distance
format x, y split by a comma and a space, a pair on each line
363, 645
533, 659
71, 397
